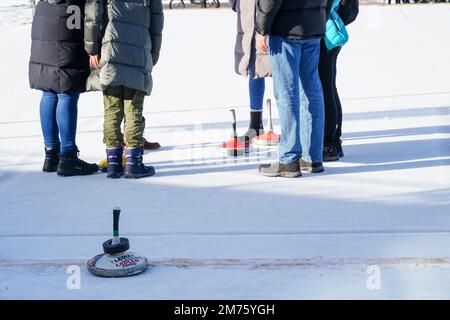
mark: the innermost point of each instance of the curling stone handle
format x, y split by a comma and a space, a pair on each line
269, 109
116, 217
233, 121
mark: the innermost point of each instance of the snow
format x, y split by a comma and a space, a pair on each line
214, 228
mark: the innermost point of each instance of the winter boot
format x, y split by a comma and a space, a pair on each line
277, 169
71, 165
134, 168
339, 149
151, 146
115, 165
330, 154
51, 161
256, 127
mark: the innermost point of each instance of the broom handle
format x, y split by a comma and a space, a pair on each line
116, 216
233, 121
269, 107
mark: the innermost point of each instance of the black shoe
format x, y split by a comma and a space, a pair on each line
277, 169
51, 161
70, 165
256, 127
313, 167
134, 168
115, 166
330, 154
339, 149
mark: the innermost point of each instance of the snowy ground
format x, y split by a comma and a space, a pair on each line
215, 229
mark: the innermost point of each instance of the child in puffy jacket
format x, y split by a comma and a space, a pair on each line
123, 39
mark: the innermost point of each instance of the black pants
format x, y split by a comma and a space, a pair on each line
333, 108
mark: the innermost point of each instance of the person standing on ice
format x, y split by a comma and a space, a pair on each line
123, 39
59, 67
343, 12
295, 28
251, 62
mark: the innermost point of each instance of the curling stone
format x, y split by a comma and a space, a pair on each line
270, 138
234, 147
117, 261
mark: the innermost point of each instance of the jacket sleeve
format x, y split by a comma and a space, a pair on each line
156, 28
93, 23
266, 11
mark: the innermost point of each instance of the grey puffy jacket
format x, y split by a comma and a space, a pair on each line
127, 34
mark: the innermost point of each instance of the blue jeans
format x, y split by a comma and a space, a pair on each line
59, 113
296, 81
256, 88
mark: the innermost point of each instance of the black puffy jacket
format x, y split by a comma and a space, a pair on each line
293, 19
58, 60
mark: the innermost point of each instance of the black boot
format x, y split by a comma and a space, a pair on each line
134, 168
277, 169
339, 149
70, 165
51, 160
330, 154
115, 166
256, 127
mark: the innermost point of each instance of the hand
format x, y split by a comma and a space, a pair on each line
261, 43
94, 61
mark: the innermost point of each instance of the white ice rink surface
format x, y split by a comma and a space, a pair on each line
215, 229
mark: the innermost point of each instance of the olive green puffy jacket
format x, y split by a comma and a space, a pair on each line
127, 34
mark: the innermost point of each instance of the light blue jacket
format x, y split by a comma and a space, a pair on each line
336, 34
